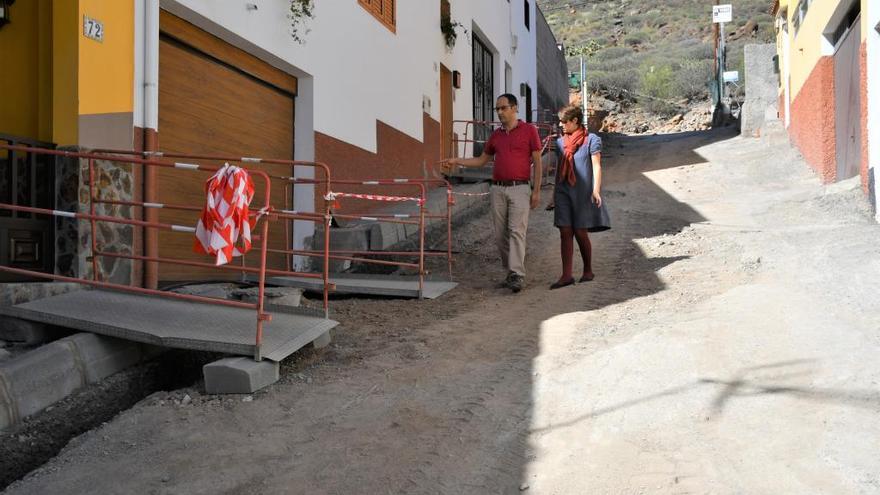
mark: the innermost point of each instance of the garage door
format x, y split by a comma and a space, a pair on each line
216, 99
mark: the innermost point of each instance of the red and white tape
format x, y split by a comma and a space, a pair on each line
333, 196
470, 194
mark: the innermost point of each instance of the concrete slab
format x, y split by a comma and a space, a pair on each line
377, 285
239, 375
172, 323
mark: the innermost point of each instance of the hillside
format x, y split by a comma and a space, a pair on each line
656, 55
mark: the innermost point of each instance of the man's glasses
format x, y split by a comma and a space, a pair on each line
502, 108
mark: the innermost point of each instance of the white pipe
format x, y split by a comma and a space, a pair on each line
138, 107
151, 64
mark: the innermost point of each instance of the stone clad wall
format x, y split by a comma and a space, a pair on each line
113, 181
66, 229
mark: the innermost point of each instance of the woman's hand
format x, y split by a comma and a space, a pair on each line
597, 199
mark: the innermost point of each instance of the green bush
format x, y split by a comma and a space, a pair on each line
657, 82
632, 20
612, 52
618, 84
692, 79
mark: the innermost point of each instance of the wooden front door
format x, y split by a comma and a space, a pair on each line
216, 99
445, 112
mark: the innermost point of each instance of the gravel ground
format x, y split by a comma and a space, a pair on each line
727, 345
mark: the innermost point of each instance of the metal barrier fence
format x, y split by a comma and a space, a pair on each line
262, 217
283, 213
328, 184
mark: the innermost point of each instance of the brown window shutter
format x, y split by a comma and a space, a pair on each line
388, 14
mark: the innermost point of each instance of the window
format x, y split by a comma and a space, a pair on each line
483, 89
384, 10
527, 14
849, 19
800, 13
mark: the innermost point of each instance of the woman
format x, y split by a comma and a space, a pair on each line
577, 198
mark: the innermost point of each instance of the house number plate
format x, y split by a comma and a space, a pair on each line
93, 28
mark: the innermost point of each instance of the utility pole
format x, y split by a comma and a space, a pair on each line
584, 86
721, 62
721, 14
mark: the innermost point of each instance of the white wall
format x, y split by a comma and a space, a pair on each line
354, 71
873, 46
362, 71
495, 21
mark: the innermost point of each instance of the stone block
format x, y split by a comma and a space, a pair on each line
239, 375
277, 296
101, 356
355, 238
322, 341
384, 235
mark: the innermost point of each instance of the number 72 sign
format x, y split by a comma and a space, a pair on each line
93, 28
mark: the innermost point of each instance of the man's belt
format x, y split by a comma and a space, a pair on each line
508, 183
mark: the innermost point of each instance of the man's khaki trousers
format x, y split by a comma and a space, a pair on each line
510, 217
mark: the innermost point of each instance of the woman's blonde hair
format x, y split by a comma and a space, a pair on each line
572, 112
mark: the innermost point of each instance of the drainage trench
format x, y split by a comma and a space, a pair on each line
35, 440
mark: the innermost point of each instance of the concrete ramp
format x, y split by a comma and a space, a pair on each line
174, 323
374, 285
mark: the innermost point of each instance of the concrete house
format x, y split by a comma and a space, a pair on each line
373, 91
823, 49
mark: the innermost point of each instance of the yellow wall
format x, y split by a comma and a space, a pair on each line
806, 46
52, 73
780, 45
26, 84
106, 69
65, 32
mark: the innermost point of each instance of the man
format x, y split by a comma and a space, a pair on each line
516, 146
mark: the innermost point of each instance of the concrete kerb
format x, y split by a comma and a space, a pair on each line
31, 382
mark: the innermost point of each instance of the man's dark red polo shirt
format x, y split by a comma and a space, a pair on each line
513, 151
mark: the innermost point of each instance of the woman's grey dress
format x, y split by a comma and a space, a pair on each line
574, 205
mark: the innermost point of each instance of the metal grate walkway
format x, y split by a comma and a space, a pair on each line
375, 285
174, 323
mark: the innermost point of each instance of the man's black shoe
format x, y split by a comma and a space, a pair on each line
516, 282
505, 284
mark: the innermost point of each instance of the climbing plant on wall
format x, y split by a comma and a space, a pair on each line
300, 12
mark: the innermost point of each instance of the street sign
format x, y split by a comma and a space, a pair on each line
730, 76
722, 13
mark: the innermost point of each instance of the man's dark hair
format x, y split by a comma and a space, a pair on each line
511, 100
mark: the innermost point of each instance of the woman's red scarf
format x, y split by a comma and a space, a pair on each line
572, 143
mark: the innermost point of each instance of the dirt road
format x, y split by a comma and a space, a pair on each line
727, 345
